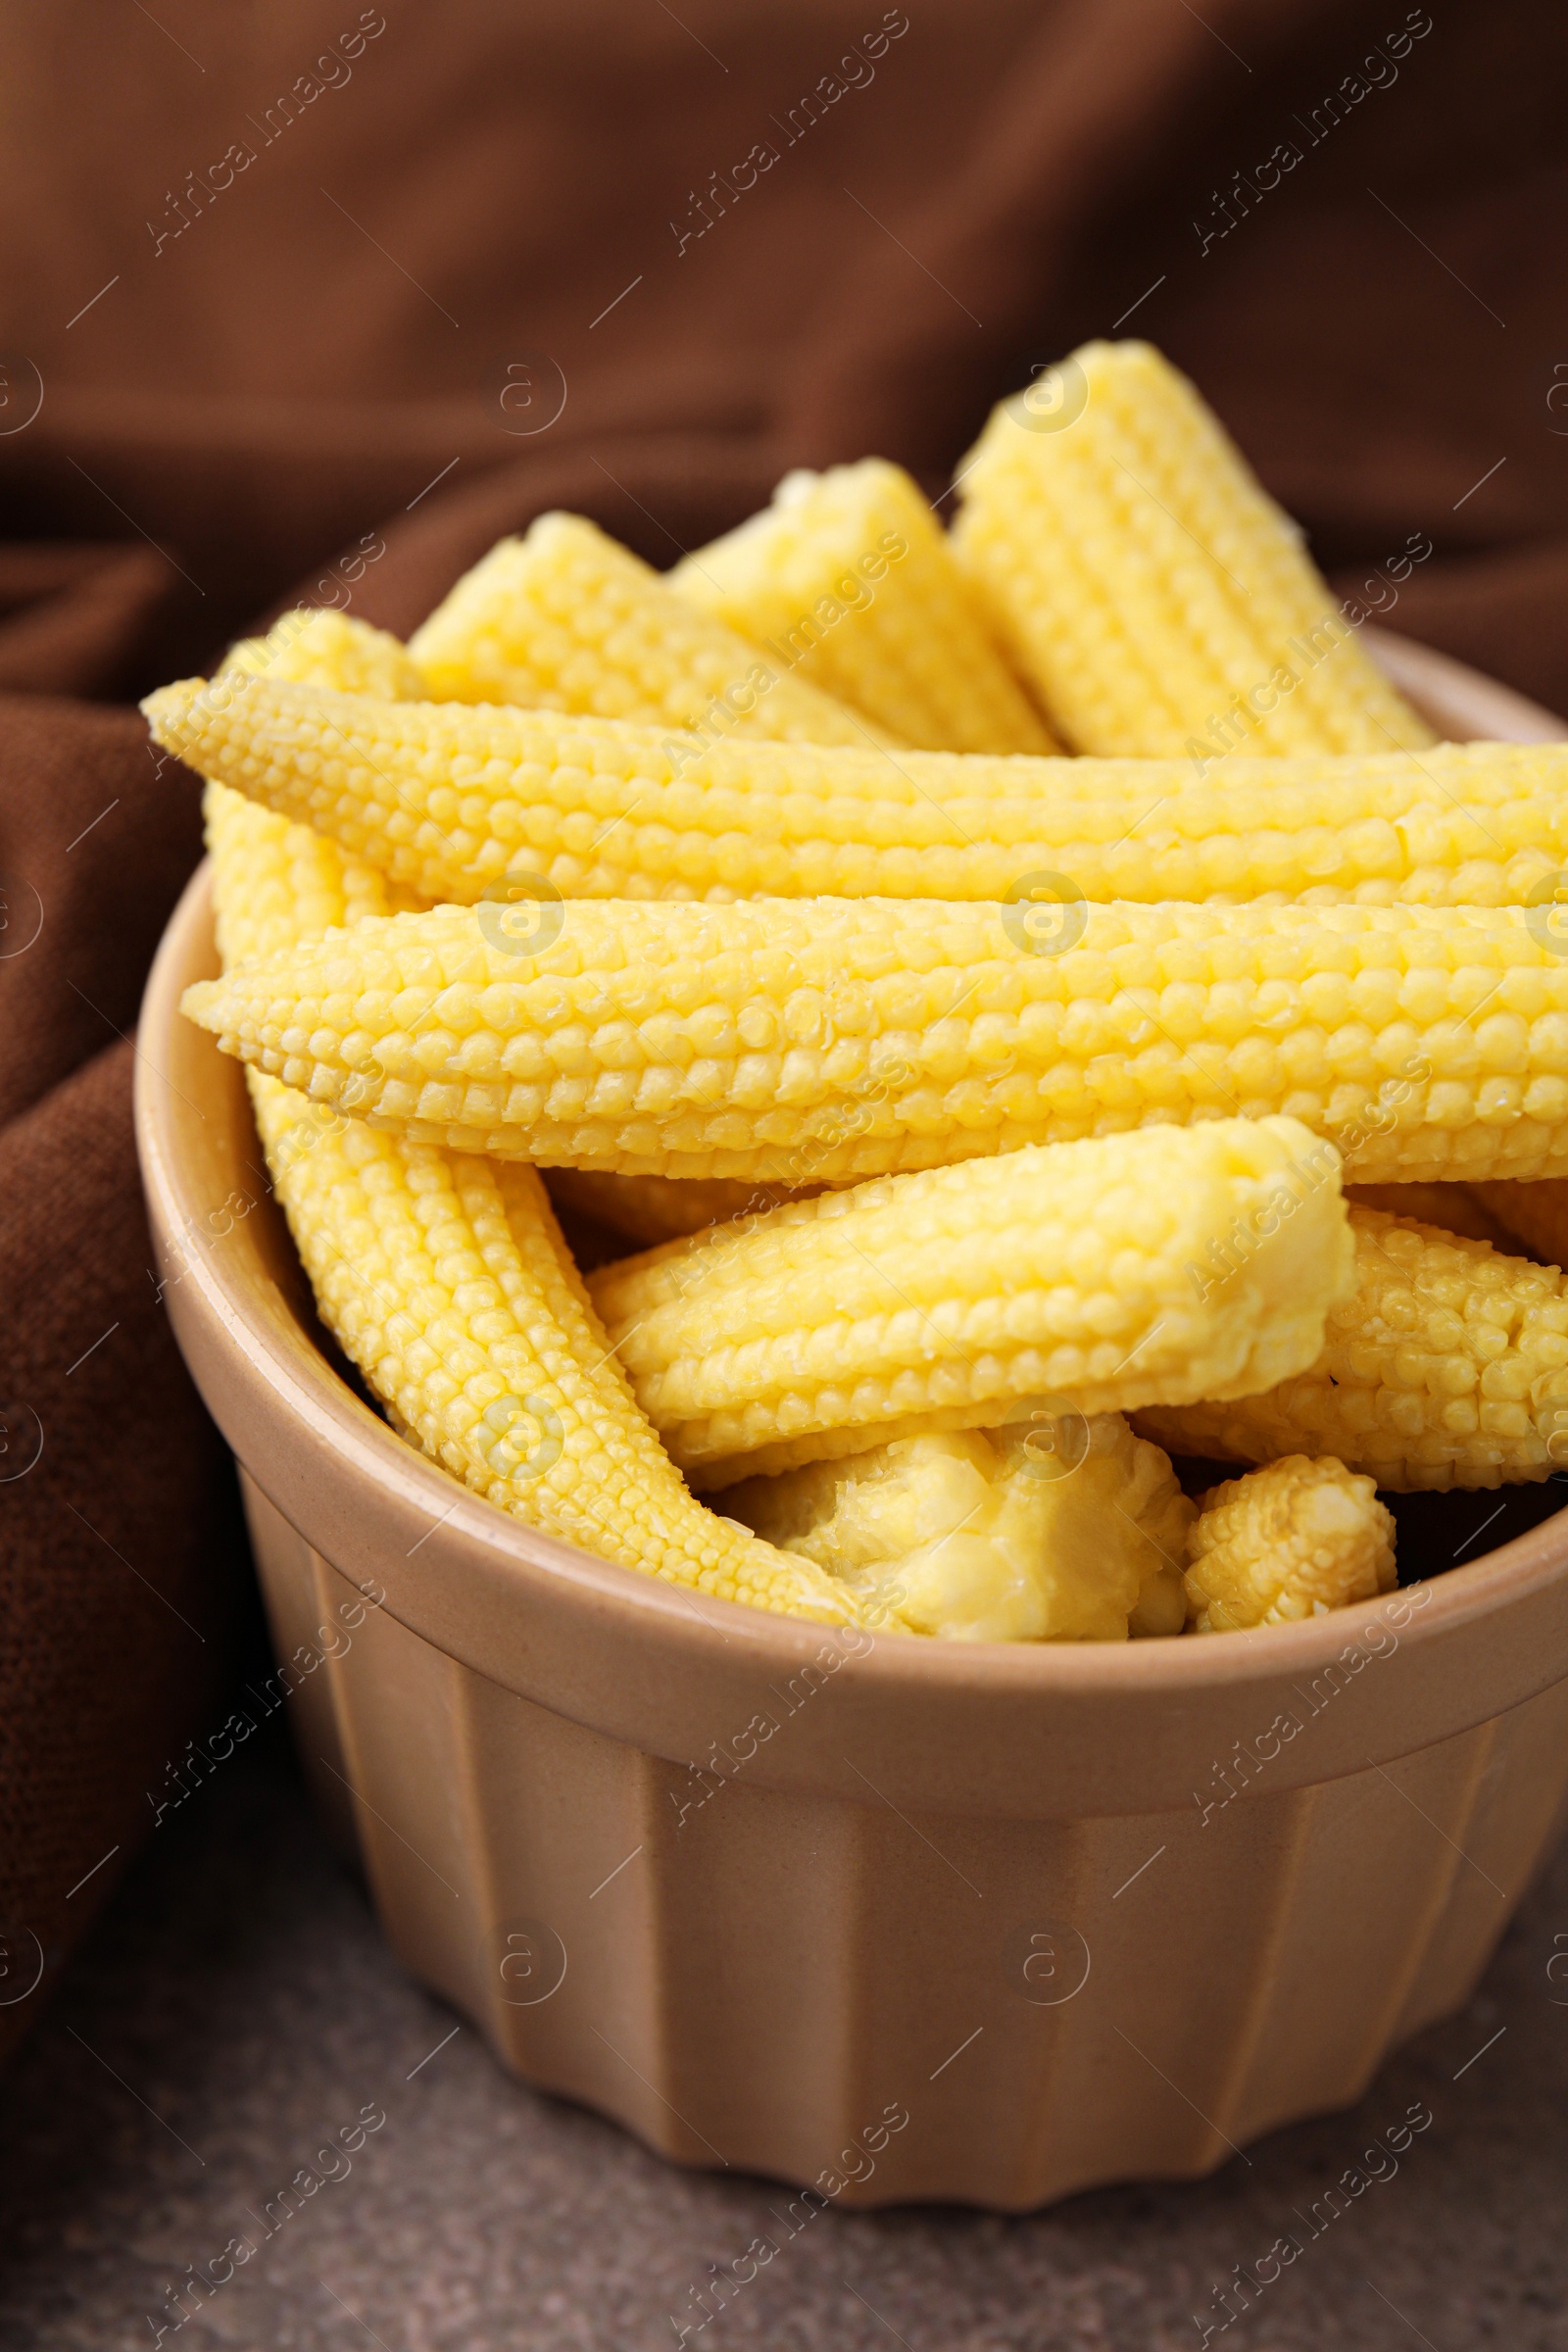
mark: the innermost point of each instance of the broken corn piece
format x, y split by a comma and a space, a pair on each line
1294, 1540
1070, 1530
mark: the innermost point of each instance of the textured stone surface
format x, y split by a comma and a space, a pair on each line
240, 1994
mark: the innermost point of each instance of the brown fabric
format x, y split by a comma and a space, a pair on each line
96, 839
113, 1527
292, 281
115, 1503
76, 619
331, 330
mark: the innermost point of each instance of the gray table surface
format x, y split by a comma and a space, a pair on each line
236, 2007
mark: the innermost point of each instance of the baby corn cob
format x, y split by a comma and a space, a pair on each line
848, 576
567, 621
974, 1538
331, 649
449, 799
448, 1284
276, 883
940, 1300
1294, 1540
660, 1208
1536, 1215
1451, 1208
1448, 1366
799, 1042
1151, 593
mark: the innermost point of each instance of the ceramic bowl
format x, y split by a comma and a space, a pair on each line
895, 1919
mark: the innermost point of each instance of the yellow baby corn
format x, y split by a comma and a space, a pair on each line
1294, 1540
448, 1284
325, 648
848, 577
1536, 1215
451, 799
976, 1537
1448, 1366
796, 1042
276, 883
660, 1208
1151, 593
567, 621
940, 1300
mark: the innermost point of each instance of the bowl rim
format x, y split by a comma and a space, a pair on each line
423, 1494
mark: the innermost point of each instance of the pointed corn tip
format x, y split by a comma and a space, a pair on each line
168, 710
200, 1003
178, 694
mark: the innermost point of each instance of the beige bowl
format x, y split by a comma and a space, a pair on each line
897, 1919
